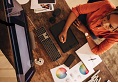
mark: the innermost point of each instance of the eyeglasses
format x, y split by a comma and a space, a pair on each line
110, 26
54, 15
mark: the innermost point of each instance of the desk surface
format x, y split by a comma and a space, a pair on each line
42, 73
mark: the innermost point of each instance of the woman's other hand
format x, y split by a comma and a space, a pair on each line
80, 26
63, 36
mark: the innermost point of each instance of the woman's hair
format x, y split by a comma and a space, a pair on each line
115, 11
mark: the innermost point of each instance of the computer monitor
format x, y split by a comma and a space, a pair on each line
19, 41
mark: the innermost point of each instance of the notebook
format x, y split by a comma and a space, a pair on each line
71, 40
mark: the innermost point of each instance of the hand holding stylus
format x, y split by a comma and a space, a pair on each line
63, 36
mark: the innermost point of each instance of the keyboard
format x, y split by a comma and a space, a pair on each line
47, 43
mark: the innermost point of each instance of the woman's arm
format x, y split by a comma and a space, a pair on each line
103, 46
96, 49
69, 21
63, 35
76, 11
83, 29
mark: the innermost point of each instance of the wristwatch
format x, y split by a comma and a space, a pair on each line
87, 35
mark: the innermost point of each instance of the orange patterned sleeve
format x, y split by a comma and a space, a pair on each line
88, 8
103, 46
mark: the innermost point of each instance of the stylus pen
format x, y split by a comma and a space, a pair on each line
62, 39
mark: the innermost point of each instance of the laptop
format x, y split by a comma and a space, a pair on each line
71, 40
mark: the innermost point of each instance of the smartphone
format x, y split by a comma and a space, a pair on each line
69, 60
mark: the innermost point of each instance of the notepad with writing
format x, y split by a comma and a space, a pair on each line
87, 57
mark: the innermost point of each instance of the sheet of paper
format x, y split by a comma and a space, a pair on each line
50, 7
34, 4
41, 7
59, 74
79, 72
87, 57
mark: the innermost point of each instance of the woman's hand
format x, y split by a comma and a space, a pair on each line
63, 36
80, 26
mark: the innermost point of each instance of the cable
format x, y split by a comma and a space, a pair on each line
31, 21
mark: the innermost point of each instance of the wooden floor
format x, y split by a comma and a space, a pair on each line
7, 72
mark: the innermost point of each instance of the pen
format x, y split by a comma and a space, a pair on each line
91, 59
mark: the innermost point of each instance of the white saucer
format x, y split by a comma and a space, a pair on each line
39, 61
22, 1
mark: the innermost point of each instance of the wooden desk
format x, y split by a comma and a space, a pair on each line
42, 73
